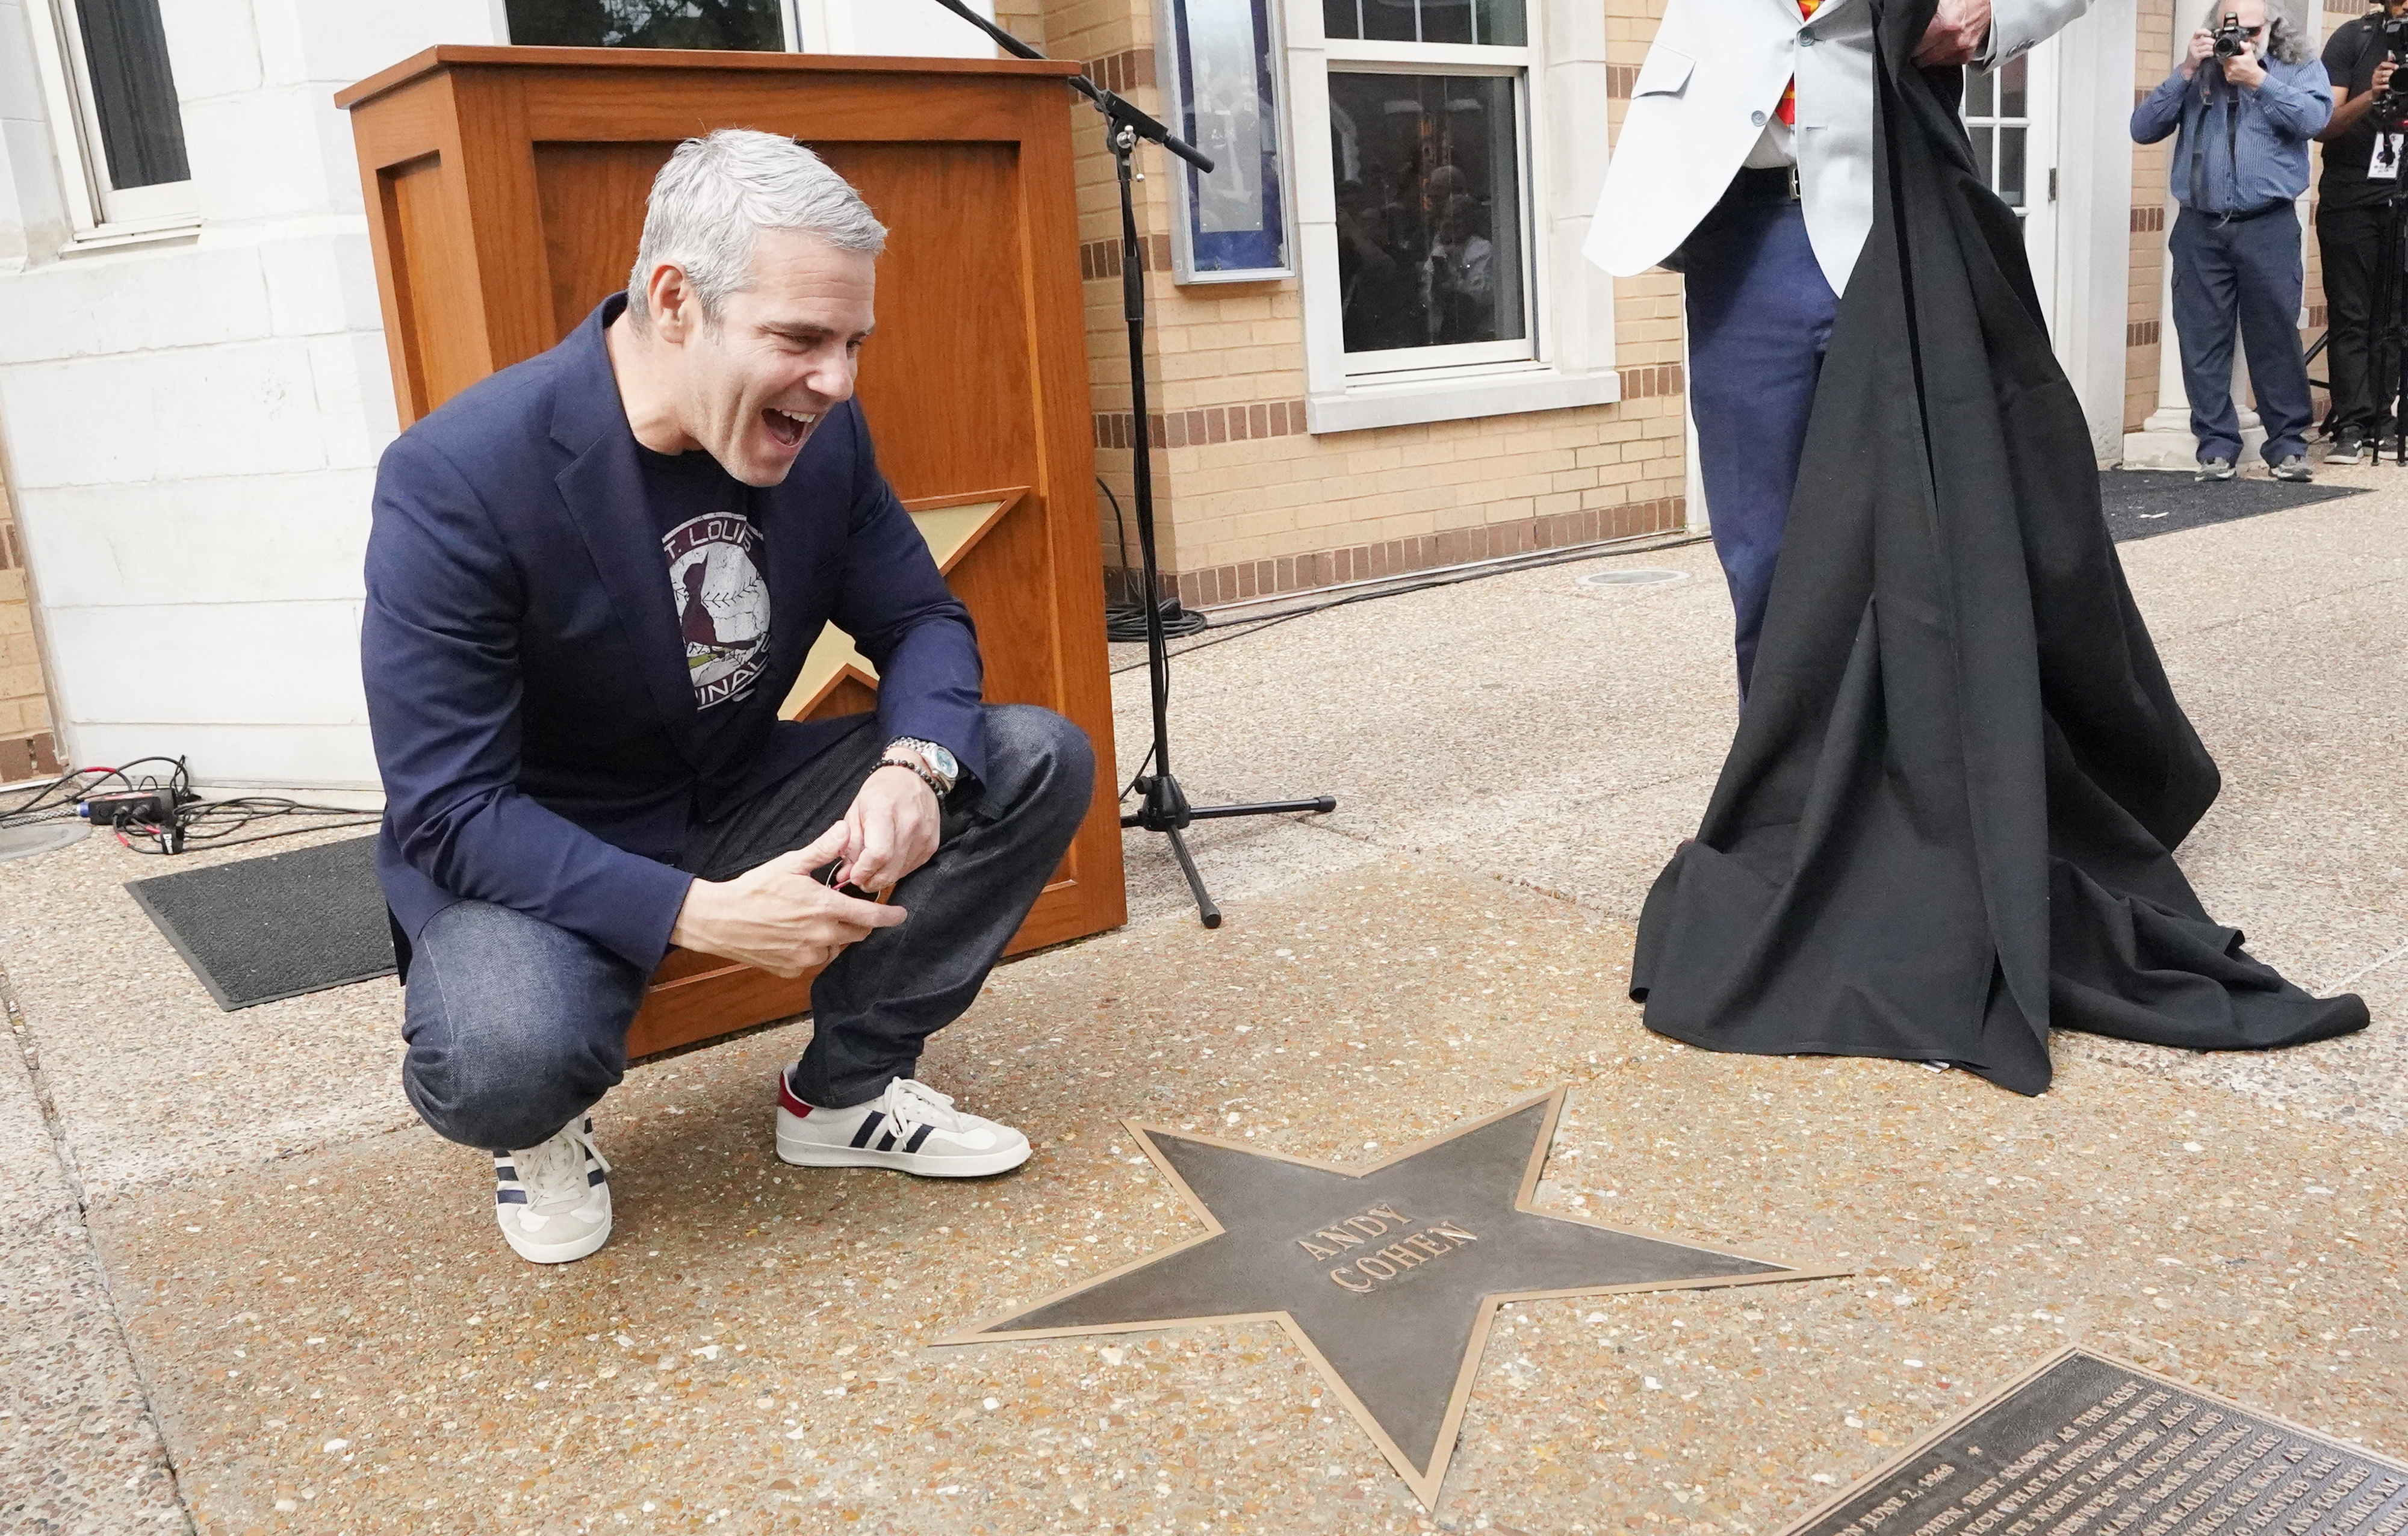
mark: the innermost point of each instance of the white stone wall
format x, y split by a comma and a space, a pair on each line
194, 426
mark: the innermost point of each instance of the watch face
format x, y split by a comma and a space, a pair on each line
946, 767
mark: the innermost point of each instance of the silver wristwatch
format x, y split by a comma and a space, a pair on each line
940, 763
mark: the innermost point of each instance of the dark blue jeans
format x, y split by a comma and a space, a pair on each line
514, 1025
2244, 274
1760, 314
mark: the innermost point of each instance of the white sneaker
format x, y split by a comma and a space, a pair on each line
553, 1201
911, 1126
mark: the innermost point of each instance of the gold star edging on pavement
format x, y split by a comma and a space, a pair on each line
1397, 1332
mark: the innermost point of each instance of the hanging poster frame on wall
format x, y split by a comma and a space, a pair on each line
1218, 63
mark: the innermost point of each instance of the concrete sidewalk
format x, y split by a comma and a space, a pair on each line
243, 1289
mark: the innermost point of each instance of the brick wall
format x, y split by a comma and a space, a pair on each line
1250, 504
1023, 19
1247, 502
27, 750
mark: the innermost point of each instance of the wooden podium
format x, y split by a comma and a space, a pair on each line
505, 192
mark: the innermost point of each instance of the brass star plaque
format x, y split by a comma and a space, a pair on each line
1387, 1277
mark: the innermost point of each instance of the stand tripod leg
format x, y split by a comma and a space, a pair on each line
1317, 805
1204, 906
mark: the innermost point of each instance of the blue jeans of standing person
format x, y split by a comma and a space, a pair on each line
1760, 314
515, 1026
2244, 273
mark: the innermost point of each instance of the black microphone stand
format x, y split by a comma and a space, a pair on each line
1165, 808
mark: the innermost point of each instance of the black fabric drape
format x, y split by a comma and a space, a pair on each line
1946, 822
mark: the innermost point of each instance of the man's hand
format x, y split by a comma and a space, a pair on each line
2243, 68
776, 916
2382, 82
890, 829
1957, 31
2202, 47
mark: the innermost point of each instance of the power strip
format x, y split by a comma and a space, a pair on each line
130, 807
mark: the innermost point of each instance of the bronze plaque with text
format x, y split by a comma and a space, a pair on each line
2092, 1445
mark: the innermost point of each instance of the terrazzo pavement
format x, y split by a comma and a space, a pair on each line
79, 1446
1515, 757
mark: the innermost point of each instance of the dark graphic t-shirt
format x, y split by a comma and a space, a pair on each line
2351, 55
713, 551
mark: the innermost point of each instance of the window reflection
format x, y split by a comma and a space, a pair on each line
133, 92
753, 25
1429, 209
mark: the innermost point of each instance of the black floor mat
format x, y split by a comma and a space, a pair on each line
263, 929
2144, 503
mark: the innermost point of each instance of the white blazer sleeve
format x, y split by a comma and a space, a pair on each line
2017, 25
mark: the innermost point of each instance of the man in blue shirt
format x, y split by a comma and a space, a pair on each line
2239, 168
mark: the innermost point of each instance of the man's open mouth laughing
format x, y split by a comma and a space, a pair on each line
788, 428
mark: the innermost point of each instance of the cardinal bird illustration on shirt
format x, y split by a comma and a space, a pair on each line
723, 603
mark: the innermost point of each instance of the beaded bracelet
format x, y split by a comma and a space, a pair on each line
935, 786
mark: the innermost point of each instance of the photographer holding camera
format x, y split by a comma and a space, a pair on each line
2357, 196
2246, 101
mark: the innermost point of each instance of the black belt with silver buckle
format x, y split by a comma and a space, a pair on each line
2243, 216
1766, 184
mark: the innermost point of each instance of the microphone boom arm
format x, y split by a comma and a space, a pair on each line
1118, 109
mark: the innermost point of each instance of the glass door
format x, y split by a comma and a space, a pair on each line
2011, 112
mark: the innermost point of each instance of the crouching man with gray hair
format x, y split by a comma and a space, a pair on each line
592, 580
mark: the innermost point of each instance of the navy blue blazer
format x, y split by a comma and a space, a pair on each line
526, 678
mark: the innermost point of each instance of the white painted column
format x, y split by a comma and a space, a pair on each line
2096, 57
2165, 440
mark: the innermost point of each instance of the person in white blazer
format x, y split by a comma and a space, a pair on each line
1763, 200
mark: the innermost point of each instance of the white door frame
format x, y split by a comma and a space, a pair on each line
2097, 64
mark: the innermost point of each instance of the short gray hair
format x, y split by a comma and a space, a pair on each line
719, 191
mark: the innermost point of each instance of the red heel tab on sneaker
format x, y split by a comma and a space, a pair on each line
786, 1099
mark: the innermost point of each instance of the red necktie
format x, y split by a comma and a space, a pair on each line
1788, 112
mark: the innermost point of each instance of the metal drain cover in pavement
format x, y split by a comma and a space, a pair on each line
40, 838
1643, 577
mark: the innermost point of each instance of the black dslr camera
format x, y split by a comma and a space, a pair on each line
2390, 107
2231, 38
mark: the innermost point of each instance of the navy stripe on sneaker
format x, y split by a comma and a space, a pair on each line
509, 1197
886, 1143
504, 1171
869, 1127
917, 1136
594, 1176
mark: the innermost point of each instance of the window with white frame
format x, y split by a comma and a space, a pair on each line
118, 128
1430, 171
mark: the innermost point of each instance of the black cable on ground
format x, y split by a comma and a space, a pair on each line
194, 823
213, 824
1242, 627
57, 799
1124, 622
194, 843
